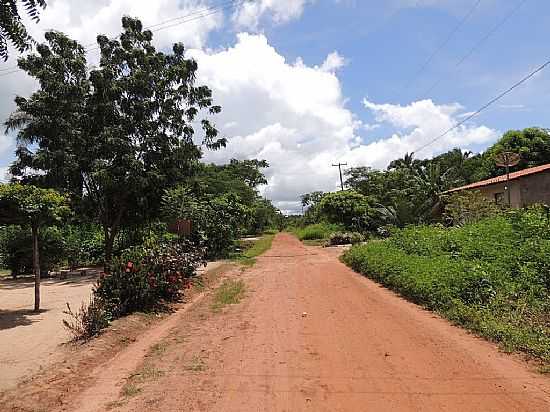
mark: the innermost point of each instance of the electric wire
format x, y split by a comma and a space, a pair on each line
196, 15
485, 106
476, 46
443, 44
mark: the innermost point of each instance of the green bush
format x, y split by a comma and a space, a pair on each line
84, 244
216, 221
143, 277
317, 231
17, 249
492, 276
348, 208
345, 238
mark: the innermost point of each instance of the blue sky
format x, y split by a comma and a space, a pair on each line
305, 83
385, 48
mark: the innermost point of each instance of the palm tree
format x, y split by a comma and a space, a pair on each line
407, 162
433, 183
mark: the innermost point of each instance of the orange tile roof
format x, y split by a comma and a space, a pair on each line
500, 179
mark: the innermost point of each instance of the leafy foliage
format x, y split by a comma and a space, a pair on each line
216, 221
34, 208
348, 208
143, 277
345, 238
317, 231
491, 276
12, 29
31, 205
468, 207
115, 137
532, 144
18, 250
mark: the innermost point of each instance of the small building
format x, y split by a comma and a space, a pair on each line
527, 187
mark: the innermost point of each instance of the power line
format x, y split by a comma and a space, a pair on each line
477, 45
485, 106
451, 34
196, 15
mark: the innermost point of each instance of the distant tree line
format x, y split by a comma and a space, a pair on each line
412, 191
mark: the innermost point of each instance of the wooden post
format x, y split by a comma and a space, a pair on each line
36, 267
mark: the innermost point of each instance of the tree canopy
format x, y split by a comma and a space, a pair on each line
412, 191
12, 29
32, 206
117, 136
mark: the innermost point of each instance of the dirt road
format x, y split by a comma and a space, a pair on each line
311, 335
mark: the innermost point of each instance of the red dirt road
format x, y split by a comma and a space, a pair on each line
311, 335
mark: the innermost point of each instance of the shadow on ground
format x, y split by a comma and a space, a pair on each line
20, 317
28, 282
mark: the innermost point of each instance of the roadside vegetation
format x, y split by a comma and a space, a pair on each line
479, 264
491, 276
230, 292
248, 250
108, 172
410, 191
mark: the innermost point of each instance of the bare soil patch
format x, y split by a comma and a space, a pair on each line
73, 367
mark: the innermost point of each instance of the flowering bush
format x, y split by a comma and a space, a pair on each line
143, 277
345, 238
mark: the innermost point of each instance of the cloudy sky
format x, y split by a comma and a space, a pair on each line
307, 83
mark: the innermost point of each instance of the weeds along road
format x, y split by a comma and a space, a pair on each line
311, 335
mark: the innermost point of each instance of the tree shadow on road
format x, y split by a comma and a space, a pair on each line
21, 317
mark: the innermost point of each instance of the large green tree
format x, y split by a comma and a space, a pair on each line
32, 207
117, 136
217, 220
532, 144
12, 29
349, 208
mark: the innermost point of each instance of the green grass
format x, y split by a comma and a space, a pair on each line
250, 249
318, 231
492, 277
230, 292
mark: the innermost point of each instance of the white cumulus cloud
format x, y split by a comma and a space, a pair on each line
249, 13
333, 62
295, 117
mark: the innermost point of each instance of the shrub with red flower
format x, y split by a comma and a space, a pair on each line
144, 277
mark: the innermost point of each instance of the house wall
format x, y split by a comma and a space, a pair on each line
535, 188
524, 191
515, 193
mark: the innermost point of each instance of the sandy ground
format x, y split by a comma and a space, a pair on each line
310, 335
29, 341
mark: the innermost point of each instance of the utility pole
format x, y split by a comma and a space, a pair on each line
507, 160
339, 165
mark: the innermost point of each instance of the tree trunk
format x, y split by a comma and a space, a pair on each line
110, 235
36, 268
